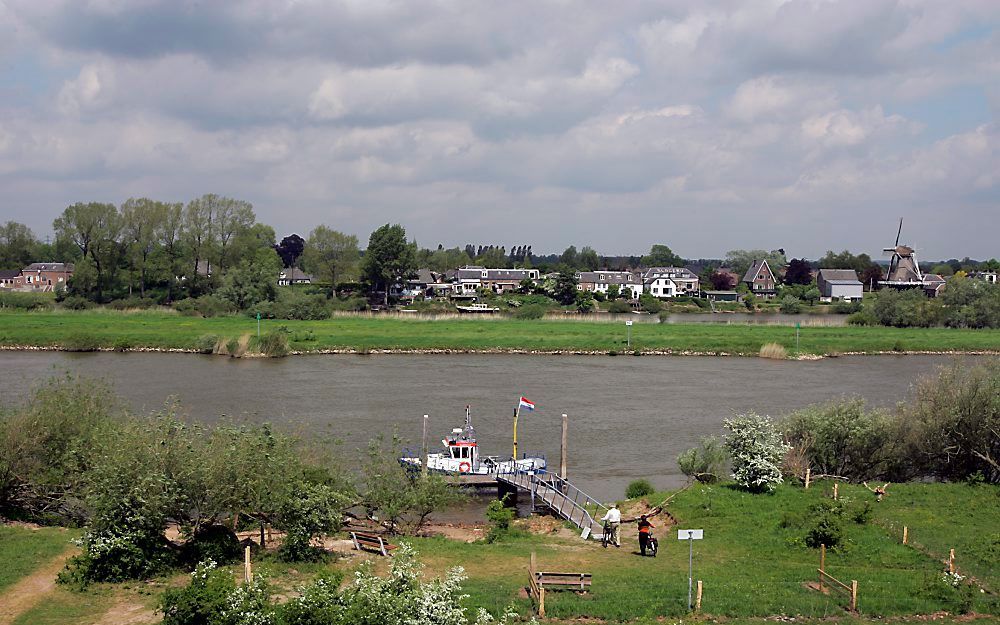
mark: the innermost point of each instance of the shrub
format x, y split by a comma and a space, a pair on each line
75, 302
863, 317
499, 516
774, 351
273, 344
132, 302
825, 525
790, 305
530, 311
294, 304
619, 306
756, 450
843, 307
122, 344
313, 510
203, 600
650, 304
205, 344
24, 301
704, 463
639, 488
205, 306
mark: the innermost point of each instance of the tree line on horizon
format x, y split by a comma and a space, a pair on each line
214, 244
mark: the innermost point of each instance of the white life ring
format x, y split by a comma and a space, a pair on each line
464, 467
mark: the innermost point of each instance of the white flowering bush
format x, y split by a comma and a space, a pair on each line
248, 605
756, 450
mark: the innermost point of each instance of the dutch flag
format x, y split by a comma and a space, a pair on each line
524, 403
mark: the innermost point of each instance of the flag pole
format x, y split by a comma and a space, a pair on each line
517, 412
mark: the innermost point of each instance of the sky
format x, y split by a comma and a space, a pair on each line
703, 125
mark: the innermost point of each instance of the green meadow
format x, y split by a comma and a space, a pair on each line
106, 329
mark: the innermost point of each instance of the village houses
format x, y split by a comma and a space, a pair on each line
760, 280
839, 284
600, 281
37, 277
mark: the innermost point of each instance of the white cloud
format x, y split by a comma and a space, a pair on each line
765, 119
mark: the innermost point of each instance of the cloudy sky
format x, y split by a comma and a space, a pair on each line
807, 125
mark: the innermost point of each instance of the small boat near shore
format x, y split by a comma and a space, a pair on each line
477, 308
460, 456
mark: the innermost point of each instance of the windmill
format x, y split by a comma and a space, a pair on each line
904, 270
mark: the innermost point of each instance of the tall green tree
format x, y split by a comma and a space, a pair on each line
95, 229
566, 285
588, 259
799, 272
18, 245
141, 219
232, 219
661, 256
330, 255
198, 230
253, 281
740, 260
569, 257
388, 259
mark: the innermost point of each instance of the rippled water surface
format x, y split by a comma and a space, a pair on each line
629, 416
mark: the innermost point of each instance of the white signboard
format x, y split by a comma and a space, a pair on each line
628, 323
690, 534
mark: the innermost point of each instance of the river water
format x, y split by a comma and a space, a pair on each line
629, 416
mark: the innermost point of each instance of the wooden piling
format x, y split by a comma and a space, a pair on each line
835, 485
808, 474
423, 449
247, 572
562, 448
906, 536
951, 561
854, 595
697, 599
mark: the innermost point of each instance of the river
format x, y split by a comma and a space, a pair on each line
629, 416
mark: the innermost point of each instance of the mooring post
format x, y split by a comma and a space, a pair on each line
562, 449
247, 573
951, 561
423, 449
808, 471
835, 491
854, 595
906, 536
822, 566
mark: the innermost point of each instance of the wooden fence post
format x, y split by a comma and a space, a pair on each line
835, 485
808, 471
854, 595
247, 573
905, 535
951, 562
697, 600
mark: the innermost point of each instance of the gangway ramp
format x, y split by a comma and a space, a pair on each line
560, 496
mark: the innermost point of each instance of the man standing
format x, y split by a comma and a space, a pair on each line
614, 519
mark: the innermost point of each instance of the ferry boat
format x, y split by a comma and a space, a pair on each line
460, 456
477, 308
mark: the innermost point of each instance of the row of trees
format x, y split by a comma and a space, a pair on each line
949, 430
74, 454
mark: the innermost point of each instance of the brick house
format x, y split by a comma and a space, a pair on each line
45, 276
599, 282
9, 278
760, 280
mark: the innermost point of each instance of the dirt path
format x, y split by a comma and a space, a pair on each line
128, 612
23, 595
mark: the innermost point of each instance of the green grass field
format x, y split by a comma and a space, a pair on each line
23, 550
753, 562
111, 329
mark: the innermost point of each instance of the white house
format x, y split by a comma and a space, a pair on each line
842, 284
685, 281
600, 281
661, 286
293, 275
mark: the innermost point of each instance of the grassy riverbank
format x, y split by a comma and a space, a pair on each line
753, 562
84, 330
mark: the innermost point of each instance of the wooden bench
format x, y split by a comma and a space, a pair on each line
371, 542
541, 581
